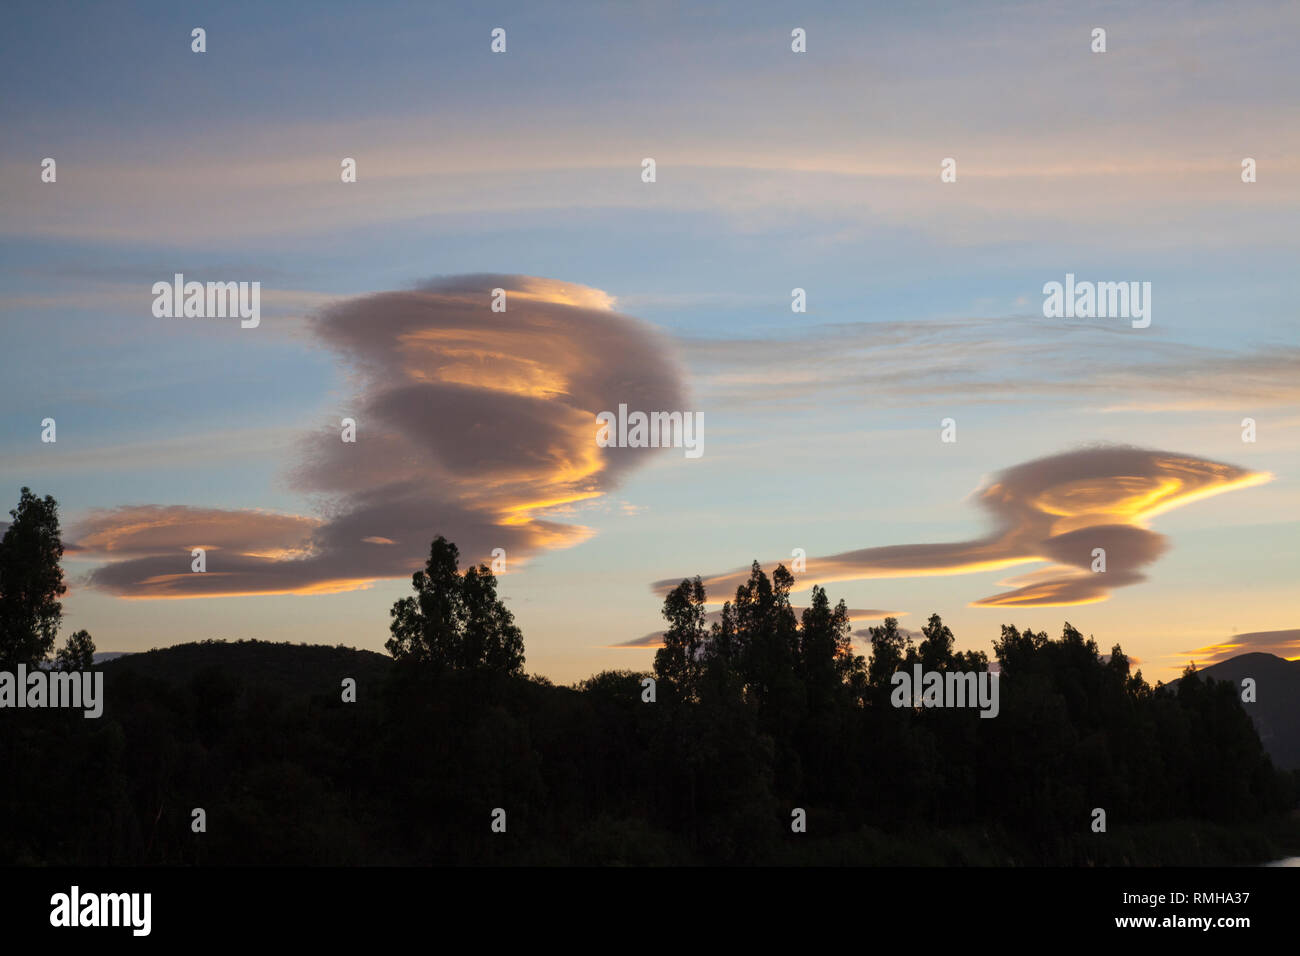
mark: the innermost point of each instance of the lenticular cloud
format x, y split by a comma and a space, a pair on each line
1058, 510
474, 424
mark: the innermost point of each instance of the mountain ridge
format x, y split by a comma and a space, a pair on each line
1276, 709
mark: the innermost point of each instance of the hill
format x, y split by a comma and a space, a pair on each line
294, 670
297, 670
414, 771
1276, 711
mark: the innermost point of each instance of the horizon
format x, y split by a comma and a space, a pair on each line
104, 657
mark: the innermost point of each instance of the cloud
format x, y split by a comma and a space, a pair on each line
992, 361
1028, 168
1057, 509
474, 424
225, 446
863, 634
1133, 660
1284, 643
656, 638
151, 529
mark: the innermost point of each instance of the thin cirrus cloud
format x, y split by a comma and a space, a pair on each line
1057, 509
474, 424
992, 361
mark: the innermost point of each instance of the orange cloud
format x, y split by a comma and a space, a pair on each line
157, 529
1284, 643
1058, 509
475, 424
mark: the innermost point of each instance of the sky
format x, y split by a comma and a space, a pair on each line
823, 430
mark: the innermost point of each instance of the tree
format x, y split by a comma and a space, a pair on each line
31, 581
936, 649
455, 621
767, 631
1017, 652
890, 647
679, 661
491, 640
78, 654
826, 649
1118, 663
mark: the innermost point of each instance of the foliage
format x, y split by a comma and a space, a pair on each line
31, 583
758, 713
455, 621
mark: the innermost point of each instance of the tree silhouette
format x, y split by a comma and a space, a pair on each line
826, 657
768, 635
936, 650
455, 621
679, 662
78, 654
757, 714
890, 648
31, 583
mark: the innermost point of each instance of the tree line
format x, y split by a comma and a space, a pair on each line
756, 715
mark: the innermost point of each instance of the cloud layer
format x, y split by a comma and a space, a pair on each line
1284, 643
1057, 509
474, 424
992, 361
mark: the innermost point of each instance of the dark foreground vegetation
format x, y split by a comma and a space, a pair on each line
758, 715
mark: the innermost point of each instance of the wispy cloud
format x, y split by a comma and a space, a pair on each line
992, 361
229, 445
1284, 643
